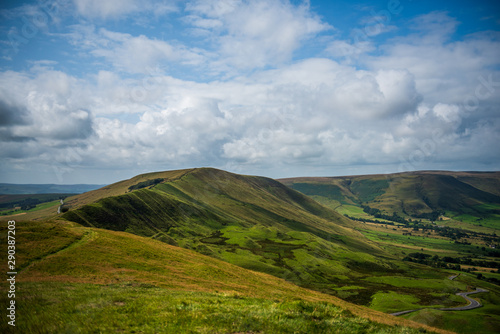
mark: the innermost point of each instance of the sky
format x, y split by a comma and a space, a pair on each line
96, 91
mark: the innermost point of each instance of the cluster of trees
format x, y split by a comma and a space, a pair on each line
451, 233
378, 214
145, 184
25, 204
366, 220
432, 216
30, 202
449, 262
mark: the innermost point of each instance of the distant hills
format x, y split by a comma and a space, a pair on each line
472, 196
21, 189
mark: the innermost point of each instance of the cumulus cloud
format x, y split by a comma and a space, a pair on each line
420, 100
255, 34
133, 54
11, 114
45, 107
115, 9
442, 68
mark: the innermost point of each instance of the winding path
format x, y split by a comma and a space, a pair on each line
86, 237
472, 303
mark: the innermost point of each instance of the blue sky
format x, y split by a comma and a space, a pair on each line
94, 91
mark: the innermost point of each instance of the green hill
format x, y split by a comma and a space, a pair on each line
253, 222
73, 279
472, 197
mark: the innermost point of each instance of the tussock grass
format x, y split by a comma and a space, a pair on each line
110, 281
87, 308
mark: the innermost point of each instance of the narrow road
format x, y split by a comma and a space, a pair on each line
472, 303
405, 312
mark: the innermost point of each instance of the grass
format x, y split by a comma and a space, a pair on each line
472, 203
38, 240
252, 222
392, 302
484, 215
369, 189
472, 197
483, 320
385, 236
107, 281
88, 308
419, 283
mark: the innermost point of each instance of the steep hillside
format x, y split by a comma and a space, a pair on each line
73, 279
253, 222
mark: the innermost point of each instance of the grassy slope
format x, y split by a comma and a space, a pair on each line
79, 280
258, 224
253, 222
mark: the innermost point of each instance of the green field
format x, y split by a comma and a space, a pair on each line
42, 206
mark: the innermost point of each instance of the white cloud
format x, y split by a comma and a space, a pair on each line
133, 54
104, 9
55, 126
435, 27
134, 109
442, 69
115, 9
255, 34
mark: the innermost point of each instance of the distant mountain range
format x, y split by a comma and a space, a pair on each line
21, 189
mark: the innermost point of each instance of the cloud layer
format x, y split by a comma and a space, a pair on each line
234, 94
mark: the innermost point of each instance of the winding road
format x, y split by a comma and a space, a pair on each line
472, 303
